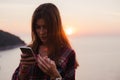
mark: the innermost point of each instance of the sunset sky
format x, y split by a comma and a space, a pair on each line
83, 17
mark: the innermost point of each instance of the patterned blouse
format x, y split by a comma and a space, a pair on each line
66, 68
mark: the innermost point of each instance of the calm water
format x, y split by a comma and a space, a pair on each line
99, 58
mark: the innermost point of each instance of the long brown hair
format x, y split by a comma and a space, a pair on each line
56, 35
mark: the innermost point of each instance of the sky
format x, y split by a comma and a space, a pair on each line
84, 17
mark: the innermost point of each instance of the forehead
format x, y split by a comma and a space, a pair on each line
40, 22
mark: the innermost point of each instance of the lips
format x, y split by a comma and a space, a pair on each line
43, 38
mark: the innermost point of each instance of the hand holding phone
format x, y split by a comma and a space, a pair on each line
27, 50
27, 57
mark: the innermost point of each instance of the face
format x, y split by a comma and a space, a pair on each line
41, 30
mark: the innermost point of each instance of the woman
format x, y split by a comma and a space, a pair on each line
55, 57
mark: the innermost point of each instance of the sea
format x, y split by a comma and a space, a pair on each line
98, 58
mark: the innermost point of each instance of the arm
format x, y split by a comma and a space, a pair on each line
19, 73
70, 69
24, 67
15, 74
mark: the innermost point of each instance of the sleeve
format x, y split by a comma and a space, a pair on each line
24, 73
15, 74
70, 68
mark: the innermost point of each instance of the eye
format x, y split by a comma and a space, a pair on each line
44, 27
37, 27
40, 27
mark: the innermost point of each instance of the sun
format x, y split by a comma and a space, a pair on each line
69, 30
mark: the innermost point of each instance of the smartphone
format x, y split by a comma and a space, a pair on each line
27, 50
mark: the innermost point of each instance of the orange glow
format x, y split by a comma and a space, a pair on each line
69, 30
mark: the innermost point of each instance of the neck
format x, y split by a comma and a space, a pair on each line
44, 44
43, 50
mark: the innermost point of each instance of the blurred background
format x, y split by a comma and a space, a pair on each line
92, 26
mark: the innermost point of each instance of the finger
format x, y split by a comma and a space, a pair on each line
28, 58
42, 63
45, 57
48, 60
24, 68
53, 64
25, 55
44, 60
32, 60
28, 63
42, 68
47, 63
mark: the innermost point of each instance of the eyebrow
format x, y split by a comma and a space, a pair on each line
39, 26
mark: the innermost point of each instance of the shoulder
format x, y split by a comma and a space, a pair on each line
66, 51
67, 57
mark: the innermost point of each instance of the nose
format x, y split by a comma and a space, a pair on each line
42, 30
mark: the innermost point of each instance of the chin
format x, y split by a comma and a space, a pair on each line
43, 41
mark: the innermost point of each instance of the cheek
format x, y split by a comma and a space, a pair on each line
46, 31
37, 31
